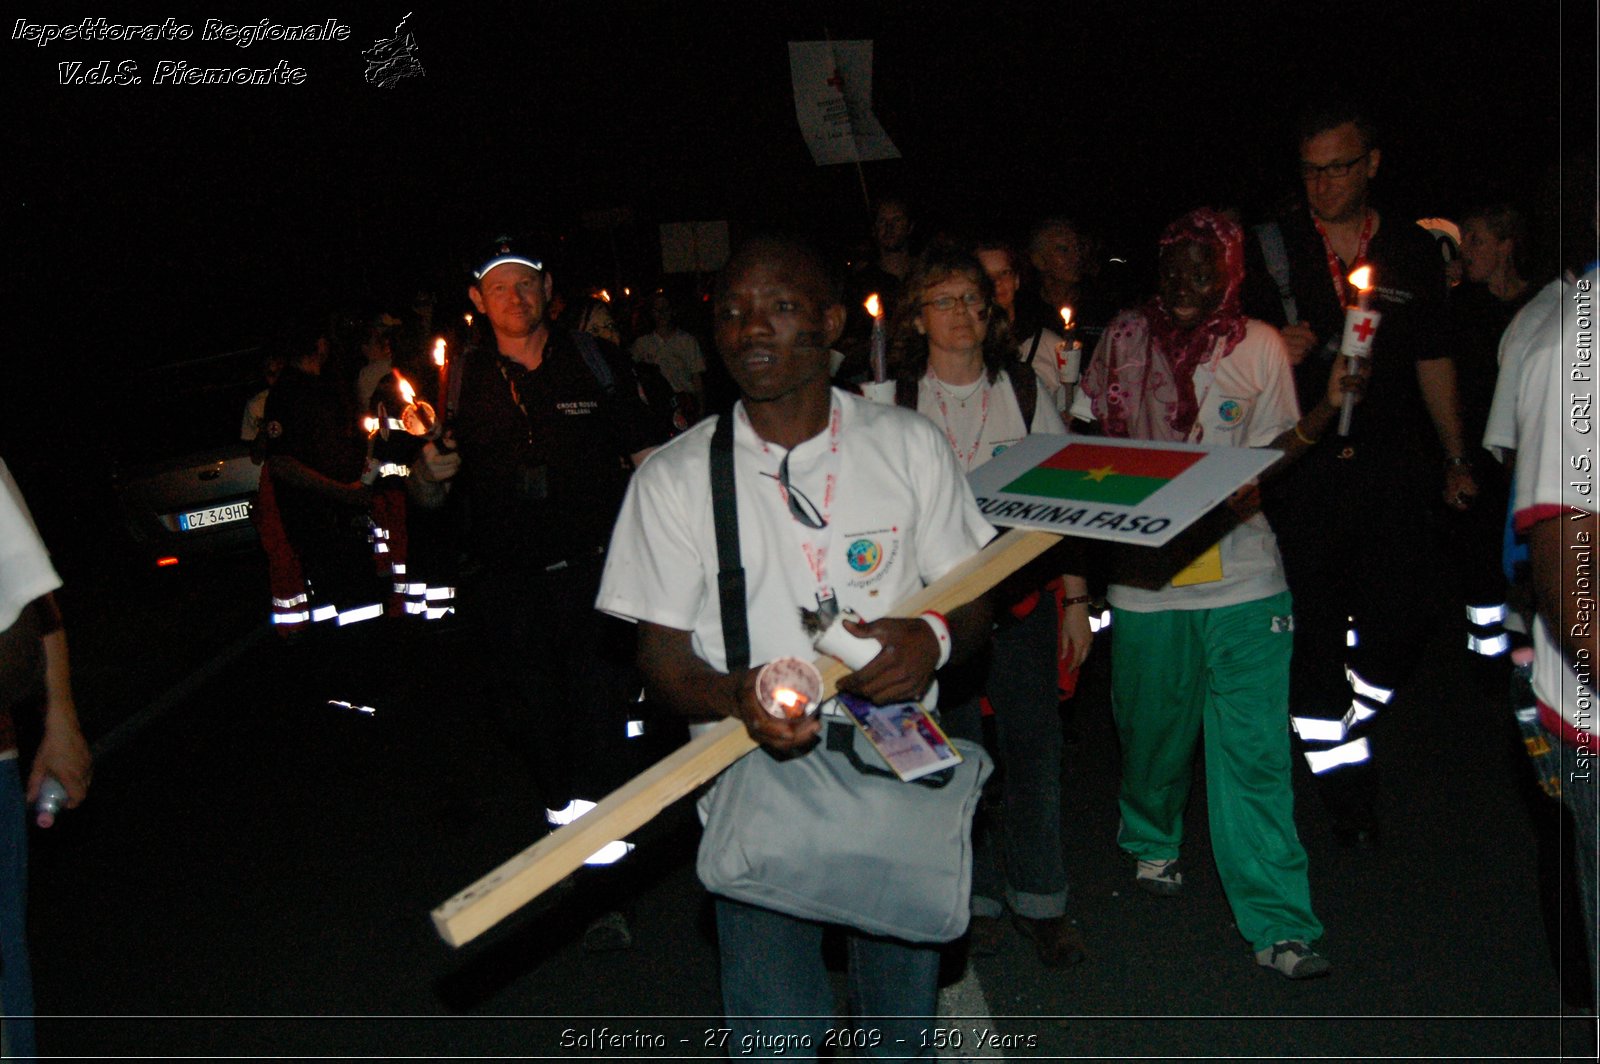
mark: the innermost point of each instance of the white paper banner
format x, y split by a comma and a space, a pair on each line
833, 101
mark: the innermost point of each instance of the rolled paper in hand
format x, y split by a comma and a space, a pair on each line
1360, 326
1069, 357
880, 339
853, 650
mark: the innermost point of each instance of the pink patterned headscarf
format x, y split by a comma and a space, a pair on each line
1141, 380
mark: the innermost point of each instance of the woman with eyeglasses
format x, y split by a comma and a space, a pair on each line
958, 367
1204, 626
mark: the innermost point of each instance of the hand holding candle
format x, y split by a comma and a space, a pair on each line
1360, 325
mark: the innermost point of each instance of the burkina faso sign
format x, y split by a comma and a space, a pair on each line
1127, 491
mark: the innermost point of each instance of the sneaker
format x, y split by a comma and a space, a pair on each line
1159, 877
1294, 960
608, 934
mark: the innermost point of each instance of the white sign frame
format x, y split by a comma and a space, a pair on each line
1173, 507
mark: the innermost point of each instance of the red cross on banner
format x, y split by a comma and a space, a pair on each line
836, 81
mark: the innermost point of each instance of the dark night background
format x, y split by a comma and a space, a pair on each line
148, 224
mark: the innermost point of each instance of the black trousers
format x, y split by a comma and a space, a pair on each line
563, 678
1358, 554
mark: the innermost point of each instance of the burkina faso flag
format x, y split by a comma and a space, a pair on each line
1092, 472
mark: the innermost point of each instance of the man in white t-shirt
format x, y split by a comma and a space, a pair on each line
1553, 505
32, 641
839, 499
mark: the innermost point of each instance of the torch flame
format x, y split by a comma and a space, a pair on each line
874, 307
1361, 277
1066, 317
438, 351
408, 393
605, 296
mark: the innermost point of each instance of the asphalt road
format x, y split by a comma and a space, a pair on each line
254, 871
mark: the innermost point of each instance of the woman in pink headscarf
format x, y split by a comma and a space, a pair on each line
1204, 630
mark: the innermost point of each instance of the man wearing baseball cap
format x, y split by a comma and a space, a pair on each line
546, 432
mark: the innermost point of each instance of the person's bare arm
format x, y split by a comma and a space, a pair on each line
1437, 379
297, 474
63, 752
1557, 547
693, 689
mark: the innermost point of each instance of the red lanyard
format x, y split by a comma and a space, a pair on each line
944, 416
814, 542
1341, 284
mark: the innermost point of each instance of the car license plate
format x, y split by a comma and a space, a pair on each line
195, 520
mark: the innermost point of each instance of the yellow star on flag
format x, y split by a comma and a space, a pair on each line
1099, 474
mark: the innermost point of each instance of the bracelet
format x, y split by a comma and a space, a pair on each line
941, 632
1302, 437
1077, 600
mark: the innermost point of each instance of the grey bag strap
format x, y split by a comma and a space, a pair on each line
1270, 236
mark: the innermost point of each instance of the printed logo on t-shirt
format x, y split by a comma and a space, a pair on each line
864, 555
1231, 412
871, 555
1000, 449
579, 408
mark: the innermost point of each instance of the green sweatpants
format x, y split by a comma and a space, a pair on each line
1223, 672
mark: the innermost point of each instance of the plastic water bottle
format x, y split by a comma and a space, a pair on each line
52, 798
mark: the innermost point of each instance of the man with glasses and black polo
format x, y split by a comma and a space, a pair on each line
1351, 517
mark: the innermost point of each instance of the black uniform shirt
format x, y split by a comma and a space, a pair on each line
1391, 423
544, 452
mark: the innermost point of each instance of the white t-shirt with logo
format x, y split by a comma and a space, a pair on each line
901, 516
1246, 399
1555, 462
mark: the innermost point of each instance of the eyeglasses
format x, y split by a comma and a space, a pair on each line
801, 508
945, 304
1309, 172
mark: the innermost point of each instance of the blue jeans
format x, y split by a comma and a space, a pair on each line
778, 1000
1021, 684
1566, 772
16, 979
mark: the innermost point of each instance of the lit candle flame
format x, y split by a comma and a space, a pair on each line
605, 296
438, 352
1361, 277
1066, 317
874, 307
370, 424
792, 701
408, 393
468, 319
